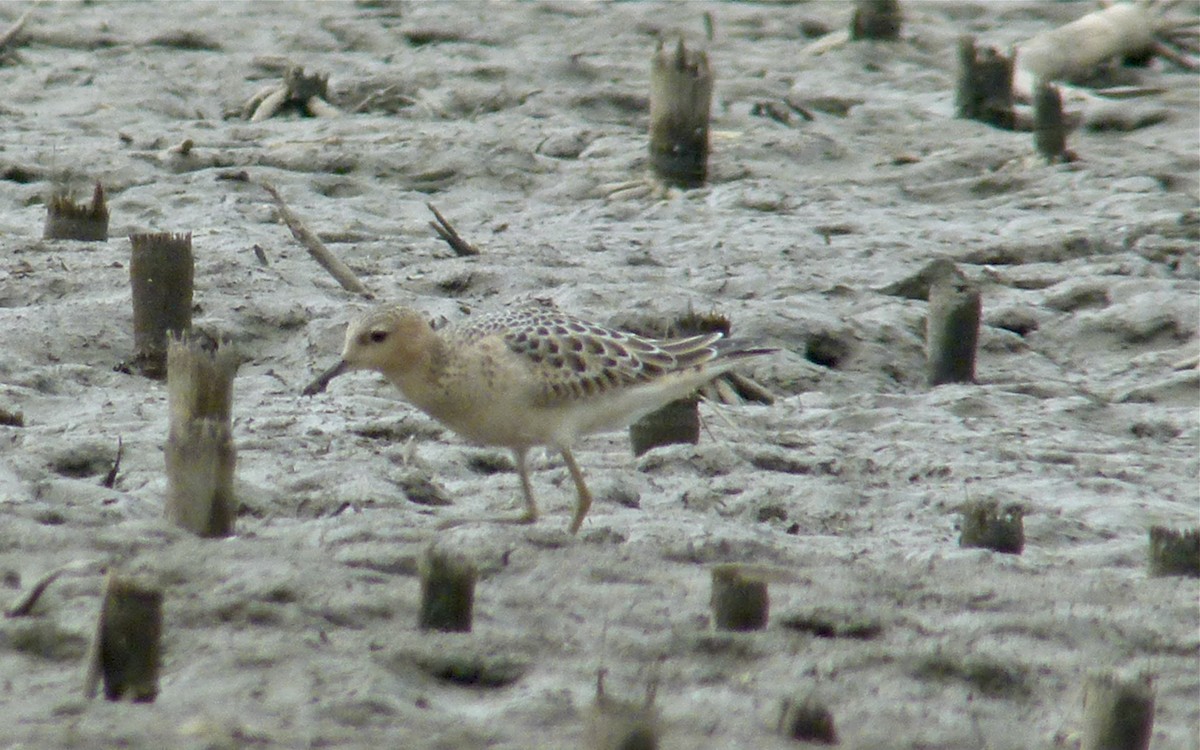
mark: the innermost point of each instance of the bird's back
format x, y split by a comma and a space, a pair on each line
568, 376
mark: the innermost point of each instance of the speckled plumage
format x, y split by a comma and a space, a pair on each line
530, 374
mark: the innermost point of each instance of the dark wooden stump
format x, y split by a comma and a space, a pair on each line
677, 422
1117, 714
806, 719
985, 524
125, 652
879, 20
680, 101
1049, 125
160, 272
447, 592
1174, 553
952, 329
739, 602
67, 220
985, 78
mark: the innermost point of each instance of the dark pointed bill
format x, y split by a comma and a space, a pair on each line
319, 385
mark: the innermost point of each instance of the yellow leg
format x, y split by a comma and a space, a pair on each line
585, 497
531, 512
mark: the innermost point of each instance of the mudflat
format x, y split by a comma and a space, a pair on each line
831, 179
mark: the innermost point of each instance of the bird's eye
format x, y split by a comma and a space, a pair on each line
378, 337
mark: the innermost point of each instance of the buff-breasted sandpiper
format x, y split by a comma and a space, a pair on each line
531, 375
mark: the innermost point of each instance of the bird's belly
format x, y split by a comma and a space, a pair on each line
514, 420
560, 424
498, 423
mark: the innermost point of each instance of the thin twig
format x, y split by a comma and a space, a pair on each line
26, 603
1180, 59
830, 41
750, 389
315, 247
111, 477
446, 231
11, 34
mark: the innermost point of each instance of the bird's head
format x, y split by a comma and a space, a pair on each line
390, 340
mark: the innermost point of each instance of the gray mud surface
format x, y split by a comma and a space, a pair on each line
520, 123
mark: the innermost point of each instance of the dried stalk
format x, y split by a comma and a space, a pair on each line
447, 232
330, 262
7, 38
25, 604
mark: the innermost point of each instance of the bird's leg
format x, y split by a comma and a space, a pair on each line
531, 512
585, 497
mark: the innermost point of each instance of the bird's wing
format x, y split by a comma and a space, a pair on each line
571, 358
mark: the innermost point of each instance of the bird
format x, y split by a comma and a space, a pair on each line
530, 375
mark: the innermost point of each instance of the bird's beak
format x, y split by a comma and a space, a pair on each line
318, 385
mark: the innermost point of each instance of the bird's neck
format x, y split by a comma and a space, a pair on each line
418, 380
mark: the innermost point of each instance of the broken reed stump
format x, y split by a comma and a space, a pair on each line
985, 85
447, 592
125, 651
67, 220
879, 20
680, 100
200, 379
740, 601
201, 460
200, 455
161, 270
1118, 714
952, 329
677, 422
1174, 553
806, 719
614, 724
985, 524
1049, 125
